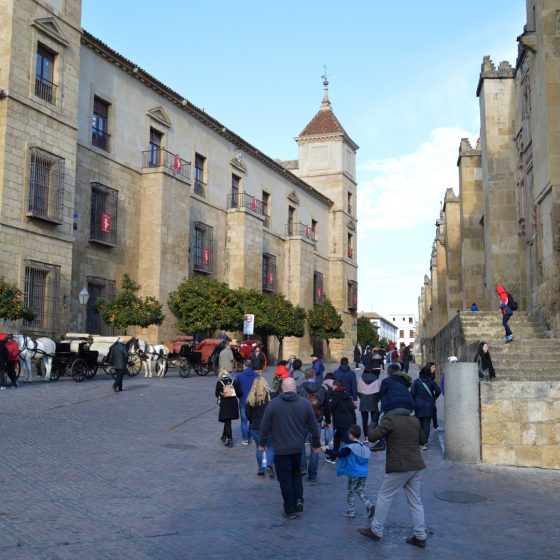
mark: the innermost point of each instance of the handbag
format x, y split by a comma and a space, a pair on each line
228, 390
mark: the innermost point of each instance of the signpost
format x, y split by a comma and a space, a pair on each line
249, 324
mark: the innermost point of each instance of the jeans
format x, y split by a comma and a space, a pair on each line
289, 477
340, 434
425, 423
313, 457
327, 435
245, 429
505, 320
269, 450
410, 482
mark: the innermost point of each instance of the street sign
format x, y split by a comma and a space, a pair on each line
249, 324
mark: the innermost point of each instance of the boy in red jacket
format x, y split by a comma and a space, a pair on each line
507, 312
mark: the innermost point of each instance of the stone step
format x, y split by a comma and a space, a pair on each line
526, 343
529, 377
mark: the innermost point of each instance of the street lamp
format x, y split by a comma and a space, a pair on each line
83, 297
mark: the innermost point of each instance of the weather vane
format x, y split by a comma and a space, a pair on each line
324, 76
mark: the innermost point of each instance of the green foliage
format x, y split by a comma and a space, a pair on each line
367, 334
12, 306
383, 343
204, 305
324, 322
130, 310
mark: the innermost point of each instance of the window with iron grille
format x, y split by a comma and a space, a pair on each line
98, 288
269, 280
104, 214
203, 241
154, 148
100, 124
199, 168
318, 289
46, 186
44, 73
235, 183
352, 295
41, 288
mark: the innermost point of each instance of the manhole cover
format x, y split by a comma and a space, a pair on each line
459, 497
180, 446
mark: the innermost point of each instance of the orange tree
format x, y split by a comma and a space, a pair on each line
203, 305
128, 309
12, 306
324, 321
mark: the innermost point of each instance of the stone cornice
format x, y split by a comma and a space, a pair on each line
328, 136
150, 81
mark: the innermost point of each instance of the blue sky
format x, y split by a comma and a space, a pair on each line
402, 78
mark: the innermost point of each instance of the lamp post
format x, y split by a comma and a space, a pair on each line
83, 297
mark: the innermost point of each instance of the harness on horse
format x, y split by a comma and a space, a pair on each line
36, 350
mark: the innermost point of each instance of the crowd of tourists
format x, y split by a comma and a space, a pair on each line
307, 412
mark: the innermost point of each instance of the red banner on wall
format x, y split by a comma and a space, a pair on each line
254, 203
105, 222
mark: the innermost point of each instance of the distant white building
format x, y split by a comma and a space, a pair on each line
406, 328
384, 328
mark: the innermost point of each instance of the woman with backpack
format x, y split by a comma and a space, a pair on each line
368, 393
485, 368
425, 391
229, 405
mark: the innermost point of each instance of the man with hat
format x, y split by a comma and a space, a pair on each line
318, 366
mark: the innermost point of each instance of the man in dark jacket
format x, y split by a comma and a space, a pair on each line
118, 358
318, 366
404, 468
242, 384
287, 419
313, 391
393, 393
345, 374
367, 360
343, 414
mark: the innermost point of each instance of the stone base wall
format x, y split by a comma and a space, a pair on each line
520, 423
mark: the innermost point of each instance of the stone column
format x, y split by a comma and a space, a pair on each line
462, 412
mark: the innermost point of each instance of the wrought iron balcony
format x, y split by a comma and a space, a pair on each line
300, 230
199, 187
158, 157
245, 200
45, 90
100, 138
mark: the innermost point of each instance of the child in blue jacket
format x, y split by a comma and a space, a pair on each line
353, 463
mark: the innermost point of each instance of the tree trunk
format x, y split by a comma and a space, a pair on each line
280, 346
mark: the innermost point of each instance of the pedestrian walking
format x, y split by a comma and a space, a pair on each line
297, 372
258, 359
327, 422
229, 405
313, 391
507, 307
243, 382
343, 414
280, 374
9, 355
117, 357
357, 355
287, 420
353, 462
485, 367
348, 378
403, 469
318, 366
257, 401
226, 359
368, 392
425, 391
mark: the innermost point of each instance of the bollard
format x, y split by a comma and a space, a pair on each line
462, 412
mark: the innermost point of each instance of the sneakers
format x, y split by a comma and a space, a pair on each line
508, 338
439, 429
370, 511
424, 447
330, 461
244, 442
416, 542
349, 513
367, 532
270, 472
299, 505
289, 515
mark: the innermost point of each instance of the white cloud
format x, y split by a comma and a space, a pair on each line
404, 191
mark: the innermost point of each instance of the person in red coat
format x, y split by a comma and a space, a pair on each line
507, 312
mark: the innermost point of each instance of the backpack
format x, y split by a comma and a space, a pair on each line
228, 390
276, 381
315, 404
513, 305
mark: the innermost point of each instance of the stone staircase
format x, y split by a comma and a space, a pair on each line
531, 356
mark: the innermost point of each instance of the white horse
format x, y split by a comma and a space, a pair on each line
156, 353
30, 348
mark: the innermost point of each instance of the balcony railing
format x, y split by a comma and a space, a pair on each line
244, 200
100, 138
45, 90
159, 157
300, 230
202, 261
199, 187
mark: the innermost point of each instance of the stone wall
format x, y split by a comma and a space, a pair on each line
520, 423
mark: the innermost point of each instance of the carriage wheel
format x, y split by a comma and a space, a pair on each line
184, 368
134, 365
201, 369
92, 371
109, 370
79, 370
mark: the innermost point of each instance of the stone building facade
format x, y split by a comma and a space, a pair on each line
104, 170
504, 227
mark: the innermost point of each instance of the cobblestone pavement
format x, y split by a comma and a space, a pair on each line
87, 473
